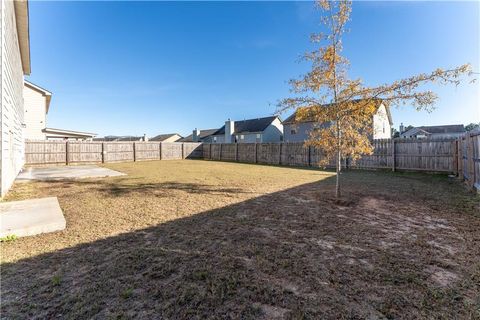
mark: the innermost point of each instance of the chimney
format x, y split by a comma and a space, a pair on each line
402, 128
229, 129
145, 138
196, 135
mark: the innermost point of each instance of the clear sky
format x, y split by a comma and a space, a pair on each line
129, 68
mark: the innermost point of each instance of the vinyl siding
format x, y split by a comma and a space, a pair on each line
381, 124
12, 142
35, 116
274, 132
381, 128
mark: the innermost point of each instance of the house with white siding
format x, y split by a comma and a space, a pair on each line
299, 130
267, 129
453, 131
15, 63
36, 105
166, 137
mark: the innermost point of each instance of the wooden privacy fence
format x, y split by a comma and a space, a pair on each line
41, 152
468, 159
397, 154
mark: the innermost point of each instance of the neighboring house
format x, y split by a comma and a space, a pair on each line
433, 132
62, 134
15, 63
36, 105
268, 129
299, 131
168, 137
204, 135
37, 102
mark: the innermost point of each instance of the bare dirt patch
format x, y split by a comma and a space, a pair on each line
196, 239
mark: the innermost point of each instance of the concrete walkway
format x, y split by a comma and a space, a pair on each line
66, 172
30, 217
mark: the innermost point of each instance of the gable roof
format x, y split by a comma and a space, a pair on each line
23, 33
203, 134
47, 94
162, 137
249, 126
454, 128
379, 102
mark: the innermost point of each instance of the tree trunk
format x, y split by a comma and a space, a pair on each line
338, 193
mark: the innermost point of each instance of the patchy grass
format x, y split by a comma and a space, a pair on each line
195, 239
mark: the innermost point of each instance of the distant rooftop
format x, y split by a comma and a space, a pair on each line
249, 125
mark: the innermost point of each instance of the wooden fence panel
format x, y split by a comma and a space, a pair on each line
193, 150
268, 153
172, 151
425, 155
295, 154
216, 151
147, 151
475, 138
469, 159
246, 152
118, 151
229, 151
38, 152
381, 158
84, 152
402, 154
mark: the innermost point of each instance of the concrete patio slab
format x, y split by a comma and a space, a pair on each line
66, 172
31, 217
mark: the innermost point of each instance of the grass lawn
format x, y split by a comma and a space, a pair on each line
196, 239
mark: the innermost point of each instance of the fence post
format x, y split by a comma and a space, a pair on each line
309, 160
280, 153
67, 153
455, 157
236, 152
134, 153
183, 150
103, 153
256, 156
221, 149
393, 155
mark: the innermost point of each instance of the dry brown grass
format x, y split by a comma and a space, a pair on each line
193, 239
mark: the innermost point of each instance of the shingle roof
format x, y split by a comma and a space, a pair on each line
249, 126
203, 134
454, 128
291, 118
162, 137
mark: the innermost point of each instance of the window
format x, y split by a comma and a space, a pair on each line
242, 137
258, 135
214, 139
293, 131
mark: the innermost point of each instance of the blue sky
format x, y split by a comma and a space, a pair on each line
129, 68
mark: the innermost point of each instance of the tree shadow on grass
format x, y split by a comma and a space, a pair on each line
289, 254
123, 187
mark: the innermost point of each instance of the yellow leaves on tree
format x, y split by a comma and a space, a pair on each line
342, 109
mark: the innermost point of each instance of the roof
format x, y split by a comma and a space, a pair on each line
120, 138
69, 132
47, 94
162, 137
454, 128
291, 118
23, 31
203, 134
249, 126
